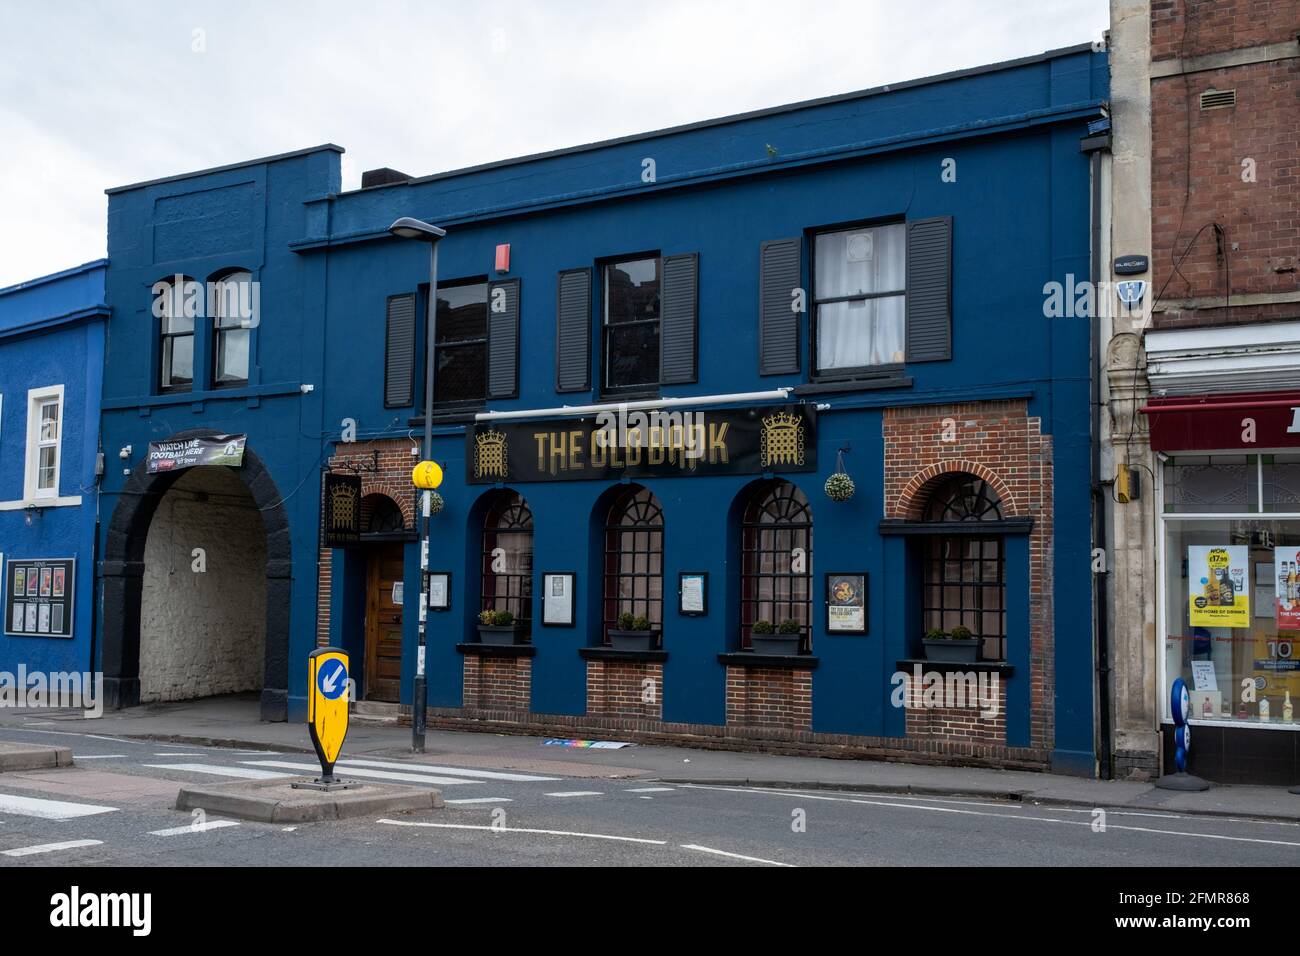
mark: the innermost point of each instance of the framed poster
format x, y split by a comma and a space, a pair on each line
693, 593
1217, 593
846, 602
38, 595
439, 590
557, 598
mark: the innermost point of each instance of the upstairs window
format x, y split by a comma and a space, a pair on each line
44, 442
631, 299
461, 343
176, 341
859, 297
232, 324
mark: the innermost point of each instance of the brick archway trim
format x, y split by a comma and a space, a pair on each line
916, 493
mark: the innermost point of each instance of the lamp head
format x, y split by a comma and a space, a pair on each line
408, 228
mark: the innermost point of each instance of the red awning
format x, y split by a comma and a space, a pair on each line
1248, 422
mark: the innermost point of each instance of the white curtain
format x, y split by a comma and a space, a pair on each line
864, 332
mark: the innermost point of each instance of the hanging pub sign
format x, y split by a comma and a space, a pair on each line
645, 444
190, 452
341, 515
38, 597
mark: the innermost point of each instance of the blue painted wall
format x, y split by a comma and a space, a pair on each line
327, 265
52, 333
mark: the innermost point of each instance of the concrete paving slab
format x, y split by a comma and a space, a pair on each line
276, 801
18, 757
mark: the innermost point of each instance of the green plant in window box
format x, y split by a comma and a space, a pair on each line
635, 632
784, 642
500, 627
956, 646
762, 627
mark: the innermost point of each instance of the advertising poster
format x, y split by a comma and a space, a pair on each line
1217, 592
1286, 600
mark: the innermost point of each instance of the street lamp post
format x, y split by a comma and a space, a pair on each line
407, 228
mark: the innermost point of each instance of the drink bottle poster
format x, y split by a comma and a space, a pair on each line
1286, 598
1217, 593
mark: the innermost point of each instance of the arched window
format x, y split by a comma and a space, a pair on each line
175, 337
233, 318
776, 561
507, 562
965, 573
634, 559
381, 514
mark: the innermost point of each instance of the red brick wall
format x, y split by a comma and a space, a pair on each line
618, 689
763, 697
1197, 165
999, 442
497, 683
957, 723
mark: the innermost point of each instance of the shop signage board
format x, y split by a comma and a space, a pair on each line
1247, 422
645, 444
38, 597
192, 452
1217, 592
341, 514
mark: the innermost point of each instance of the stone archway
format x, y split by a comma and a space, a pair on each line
124, 574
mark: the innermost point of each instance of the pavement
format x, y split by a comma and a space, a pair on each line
232, 722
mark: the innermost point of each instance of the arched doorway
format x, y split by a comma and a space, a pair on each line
231, 617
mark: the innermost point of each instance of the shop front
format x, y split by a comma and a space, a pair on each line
1229, 609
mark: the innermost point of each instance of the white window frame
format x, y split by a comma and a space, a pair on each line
37, 397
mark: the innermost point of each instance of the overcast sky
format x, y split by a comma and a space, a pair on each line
100, 94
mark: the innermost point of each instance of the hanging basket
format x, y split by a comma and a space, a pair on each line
839, 487
436, 503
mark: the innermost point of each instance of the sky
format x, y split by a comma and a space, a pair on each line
102, 94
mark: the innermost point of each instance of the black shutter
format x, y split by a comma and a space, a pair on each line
573, 331
929, 289
503, 339
780, 273
399, 352
677, 319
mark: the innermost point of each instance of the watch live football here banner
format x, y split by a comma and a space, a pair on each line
1217, 592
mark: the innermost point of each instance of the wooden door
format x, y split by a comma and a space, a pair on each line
383, 623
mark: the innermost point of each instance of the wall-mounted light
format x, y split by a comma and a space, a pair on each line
503, 258
28, 513
125, 453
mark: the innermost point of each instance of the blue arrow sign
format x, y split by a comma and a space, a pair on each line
332, 679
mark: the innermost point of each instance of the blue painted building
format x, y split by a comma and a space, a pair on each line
652, 354
51, 367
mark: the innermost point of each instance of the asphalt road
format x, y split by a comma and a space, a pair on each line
114, 808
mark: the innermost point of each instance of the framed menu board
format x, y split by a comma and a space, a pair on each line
39, 596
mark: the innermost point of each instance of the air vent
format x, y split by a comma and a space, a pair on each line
1218, 99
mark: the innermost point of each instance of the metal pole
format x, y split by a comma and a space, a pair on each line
420, 696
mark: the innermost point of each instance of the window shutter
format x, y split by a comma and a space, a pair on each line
780, 273
399, 352
929, 289
677, 319
573, 331
503, 339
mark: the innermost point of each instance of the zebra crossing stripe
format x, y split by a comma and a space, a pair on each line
217, 770
49, 847
48, 809
455, 771
195, 827
365, 772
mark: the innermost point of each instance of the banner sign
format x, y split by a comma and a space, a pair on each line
190, 452
39, 597
1286, 597
645, 444
341, 514
1217, 593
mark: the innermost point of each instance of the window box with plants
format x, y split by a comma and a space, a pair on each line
634, 633
500, 627
957, 646
781, 640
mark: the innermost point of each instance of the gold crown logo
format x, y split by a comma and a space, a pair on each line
782, 440
343, 500
490, 455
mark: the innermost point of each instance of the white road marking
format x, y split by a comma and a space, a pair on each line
77, 756
1004, 816
576, 793
482, 800
492, 829
217, 770
195, 827
178, 753
48, 809
358, 772
456, 771
649, 789
50, 847
734, 856
69, 733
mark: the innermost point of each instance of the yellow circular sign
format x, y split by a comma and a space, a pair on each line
427, 474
